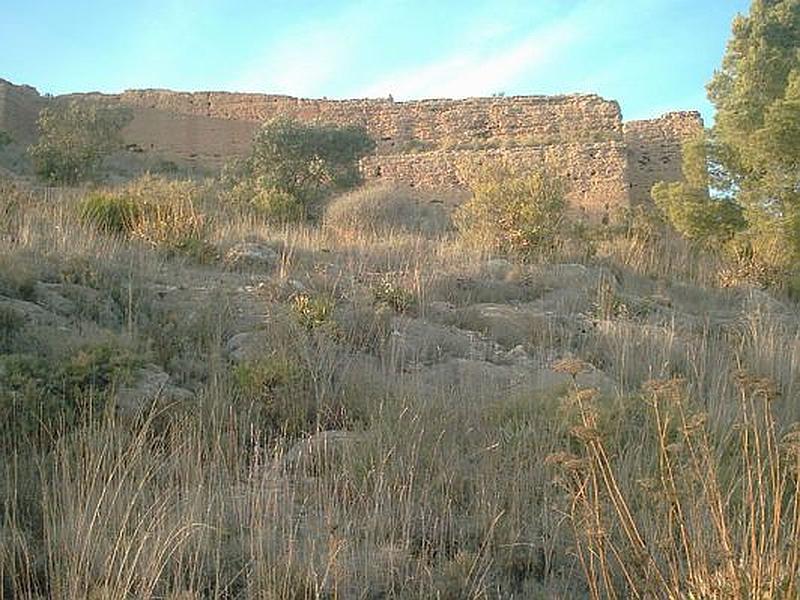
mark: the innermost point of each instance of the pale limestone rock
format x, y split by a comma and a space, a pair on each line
150, 384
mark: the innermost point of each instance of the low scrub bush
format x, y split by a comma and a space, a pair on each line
511, 211
111, 213
37, 394
390, 293
379, 210
11, 322
157, 211
277, 206
313, 311
293, 165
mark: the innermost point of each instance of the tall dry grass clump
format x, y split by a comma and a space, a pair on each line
695, 515
380, 210
162, 213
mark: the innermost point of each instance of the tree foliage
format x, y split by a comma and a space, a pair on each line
74, 137
512, 211
690, 208
292, 164
756, 93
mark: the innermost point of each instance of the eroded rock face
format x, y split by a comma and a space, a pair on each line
482, 379
320, 451
252, 255
150, 384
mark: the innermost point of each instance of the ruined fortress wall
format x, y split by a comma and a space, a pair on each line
19, 110
580, 138
398, 125
655, 149
186, 139
594, 172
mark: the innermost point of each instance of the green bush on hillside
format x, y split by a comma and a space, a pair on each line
110, 212
74, 137
155, 210
292, 165
37, 394
512, 211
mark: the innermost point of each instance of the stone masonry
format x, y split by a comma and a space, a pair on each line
580, 138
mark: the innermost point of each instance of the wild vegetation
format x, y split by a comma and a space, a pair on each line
383, 397
293, 165
393, 412
74, 137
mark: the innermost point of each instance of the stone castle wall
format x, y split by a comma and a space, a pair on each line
654, 150
595, 173
396, 126
580, 138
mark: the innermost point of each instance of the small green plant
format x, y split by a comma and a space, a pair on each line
312, 312
278, 206
387, 292
5, 138
511, 211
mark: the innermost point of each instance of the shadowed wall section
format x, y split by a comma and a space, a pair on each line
19, 109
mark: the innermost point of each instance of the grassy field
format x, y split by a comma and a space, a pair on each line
194, 404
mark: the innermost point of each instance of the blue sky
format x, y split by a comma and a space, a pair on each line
651, 55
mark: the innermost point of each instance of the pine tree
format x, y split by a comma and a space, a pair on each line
756, 93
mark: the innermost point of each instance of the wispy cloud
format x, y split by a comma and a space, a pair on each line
478, 72
504, 55
305, 59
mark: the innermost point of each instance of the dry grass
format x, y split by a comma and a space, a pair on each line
683, 484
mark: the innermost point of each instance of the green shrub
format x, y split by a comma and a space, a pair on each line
155, 210
388, 292
279, 386
111, 213
5, 138
511, 211
37, 394
292, 165
74, 137
688, 206
382, 209
313, 312
277, 206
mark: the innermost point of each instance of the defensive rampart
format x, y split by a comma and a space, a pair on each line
580, 138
